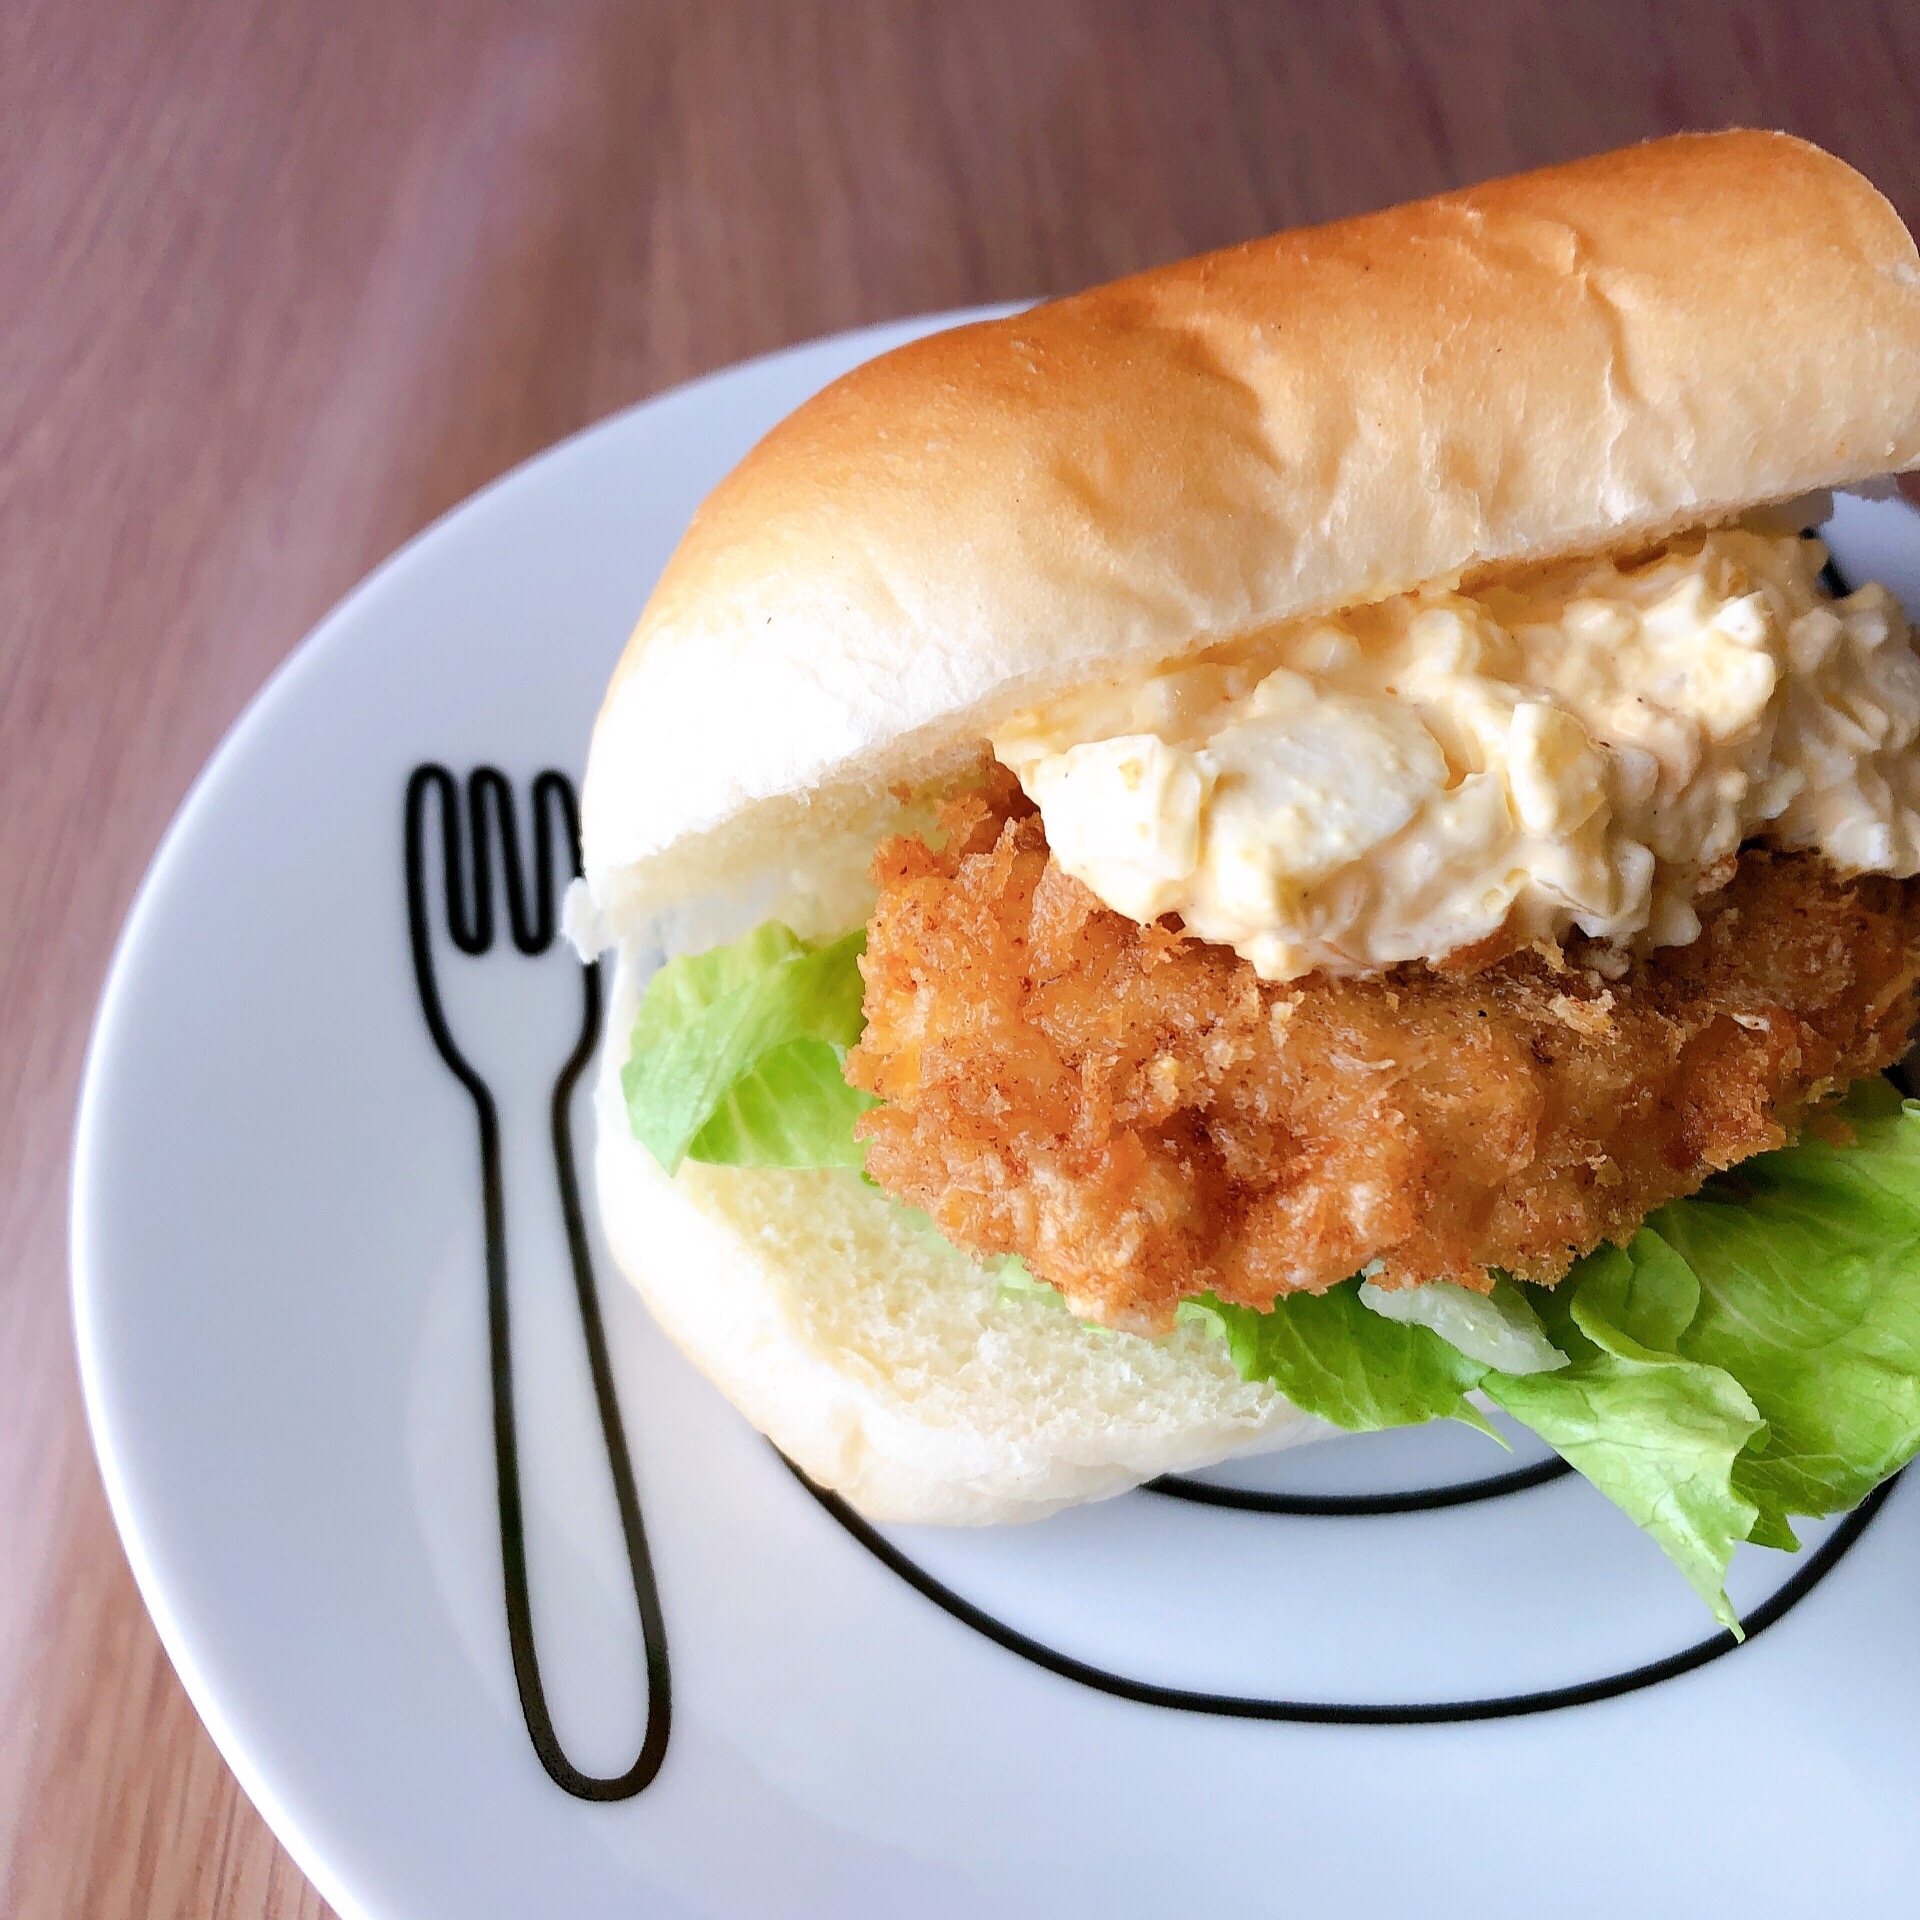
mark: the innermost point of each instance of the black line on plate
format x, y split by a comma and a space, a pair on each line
470, 924
1176, 1486
1336, 1713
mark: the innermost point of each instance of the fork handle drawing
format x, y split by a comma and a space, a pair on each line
531, 916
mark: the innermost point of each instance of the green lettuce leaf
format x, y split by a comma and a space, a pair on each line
1754, 1354
1658, 1435
1333, 1356
1808, 1263
738, 1052
1497, 1328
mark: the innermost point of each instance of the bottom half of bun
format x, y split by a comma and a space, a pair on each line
891, 1368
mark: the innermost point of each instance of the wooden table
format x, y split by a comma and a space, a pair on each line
278, 284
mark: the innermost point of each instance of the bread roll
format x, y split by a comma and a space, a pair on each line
1573, 359
1592, 356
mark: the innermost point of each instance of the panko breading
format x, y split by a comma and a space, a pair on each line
1141, 1118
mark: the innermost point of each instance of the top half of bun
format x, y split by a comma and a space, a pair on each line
1546, 365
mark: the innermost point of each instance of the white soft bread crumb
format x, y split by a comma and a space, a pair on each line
885, 1364
1586, 357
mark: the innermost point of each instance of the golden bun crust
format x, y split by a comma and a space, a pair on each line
1559, 362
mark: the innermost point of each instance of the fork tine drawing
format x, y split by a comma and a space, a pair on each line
532, 917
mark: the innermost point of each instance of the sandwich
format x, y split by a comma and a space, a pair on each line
1304, 841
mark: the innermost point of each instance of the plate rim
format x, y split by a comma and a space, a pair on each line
187, 1649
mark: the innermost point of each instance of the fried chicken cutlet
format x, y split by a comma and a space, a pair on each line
1140, 1117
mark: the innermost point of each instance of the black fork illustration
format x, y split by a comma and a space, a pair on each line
531, 916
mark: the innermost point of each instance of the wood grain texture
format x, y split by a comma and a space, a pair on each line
278, 284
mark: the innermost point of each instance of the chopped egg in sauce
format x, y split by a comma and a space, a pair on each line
1581, 746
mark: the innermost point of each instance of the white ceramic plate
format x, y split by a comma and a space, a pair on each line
1148, 1707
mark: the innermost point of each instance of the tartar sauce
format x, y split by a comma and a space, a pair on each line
1576, 747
